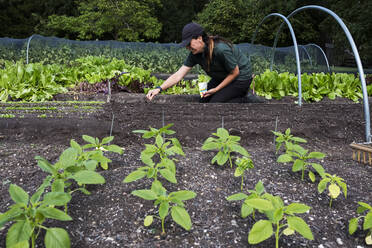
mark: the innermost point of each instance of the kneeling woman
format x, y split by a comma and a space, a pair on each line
228, 67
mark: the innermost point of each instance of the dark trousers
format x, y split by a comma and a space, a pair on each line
234, 92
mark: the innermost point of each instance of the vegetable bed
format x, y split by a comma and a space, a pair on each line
113, 217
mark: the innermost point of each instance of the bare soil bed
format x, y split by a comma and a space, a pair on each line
112, 217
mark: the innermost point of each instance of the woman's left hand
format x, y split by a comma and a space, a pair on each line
210, 92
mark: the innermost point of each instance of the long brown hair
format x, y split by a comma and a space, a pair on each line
210, 41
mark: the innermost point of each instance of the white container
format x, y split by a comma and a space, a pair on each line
203, 88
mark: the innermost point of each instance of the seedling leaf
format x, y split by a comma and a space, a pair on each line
53, 213
148, 220
57, 238
18, 195
18, 232
300, 226
135, 175
88, 177
145, 194
181, 217
367, 221
260, 231
353, 225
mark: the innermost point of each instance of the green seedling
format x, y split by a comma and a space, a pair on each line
225, 144
334, 188
153, 132
166, 202
300, 156
279, 217
66, 170
29, 214
285, 138
7, 116
367, 224
246, 208
166, 167
79, 165
99, 148
243, 164
164, 148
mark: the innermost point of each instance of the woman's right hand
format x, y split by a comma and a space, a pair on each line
152, 93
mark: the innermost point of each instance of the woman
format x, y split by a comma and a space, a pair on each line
228, 67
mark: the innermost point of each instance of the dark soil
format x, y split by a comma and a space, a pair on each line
112, 217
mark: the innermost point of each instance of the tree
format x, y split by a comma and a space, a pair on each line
125, 20
237, 20
174, 14
22, 18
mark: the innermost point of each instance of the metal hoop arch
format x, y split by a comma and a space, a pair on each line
324, 55
28, 47
295, 47
356, 55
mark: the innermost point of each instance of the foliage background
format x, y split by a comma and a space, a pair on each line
162, 21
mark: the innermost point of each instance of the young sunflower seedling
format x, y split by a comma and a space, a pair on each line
335, 183
246, 208
153, 132
166, 202
164, 148
367, 224
98, 148
225, 144
29, 214
243, 164
280, 217
74, 164
300, 156
285, 138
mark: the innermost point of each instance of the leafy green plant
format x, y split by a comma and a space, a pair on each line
300, 158
367, 224
99, 148
225, 144
335, 185
7, 116
29, 214
243, 164
164, 148
279, 217
166, 202
78, 163
153, 132
256, 194
285, 138
315, 86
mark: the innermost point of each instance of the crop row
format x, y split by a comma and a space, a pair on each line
37, 82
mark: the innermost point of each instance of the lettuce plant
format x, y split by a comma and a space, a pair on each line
335, 183
279, 217
300, 158
243, 164
367, 224
247, 207
225, 144
29, 214
285, 138
166, 202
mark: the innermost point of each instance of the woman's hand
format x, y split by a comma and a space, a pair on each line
152, 93
210, 92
